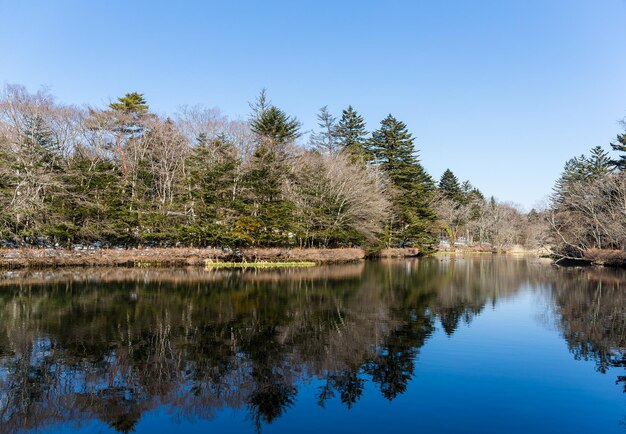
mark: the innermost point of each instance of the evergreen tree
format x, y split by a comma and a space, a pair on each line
211, 173
582, 169
449, 186
620, 146
271, 123
391, 147
351, 135
126, 120
471, 193
132, 103
325, 141
94, 209
269, 214
598, 163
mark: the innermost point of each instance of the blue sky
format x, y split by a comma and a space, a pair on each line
502, 92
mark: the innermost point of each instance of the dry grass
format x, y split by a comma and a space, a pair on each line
150, 257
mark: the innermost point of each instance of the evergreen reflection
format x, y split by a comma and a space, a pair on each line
78, 345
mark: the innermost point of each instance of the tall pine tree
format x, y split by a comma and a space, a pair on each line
269, 216
391, 149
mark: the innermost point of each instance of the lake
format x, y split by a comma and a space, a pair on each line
452, 344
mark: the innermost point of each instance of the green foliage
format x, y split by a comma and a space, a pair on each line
471, 194
351, 135
271, 123
268, 214
391, 149
598, 163
450, 187
620, 146
582, 169
131, 103
122, 175
210, 185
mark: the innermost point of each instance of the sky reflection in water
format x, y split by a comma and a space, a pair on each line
445, 344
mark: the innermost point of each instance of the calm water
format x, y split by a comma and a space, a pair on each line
475, 344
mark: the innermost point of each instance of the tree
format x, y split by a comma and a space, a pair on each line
598, 163
582, 169
271, 123
124, 120
471, 194
326, 140
351, 135
620, 146
132, 103
391, 147
449, 186
268, 216
338, 203
211, 185
31, 160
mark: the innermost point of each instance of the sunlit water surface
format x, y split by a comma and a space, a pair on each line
447, 344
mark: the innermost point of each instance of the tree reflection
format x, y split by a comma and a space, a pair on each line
591, 311
112, 345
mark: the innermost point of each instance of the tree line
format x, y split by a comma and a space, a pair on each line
121, 175
588, 206
124, 175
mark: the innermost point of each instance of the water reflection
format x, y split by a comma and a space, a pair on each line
114, 344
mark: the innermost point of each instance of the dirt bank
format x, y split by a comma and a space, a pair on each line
20, 258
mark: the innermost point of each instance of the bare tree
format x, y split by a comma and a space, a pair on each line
334, 196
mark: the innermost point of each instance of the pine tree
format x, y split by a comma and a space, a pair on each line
471, 193
582, 169
351, 135
211, 173
449, 186
269, 215
620, 146
132, 103
598, 163
391, 148
325, 141
94, 210
269, 122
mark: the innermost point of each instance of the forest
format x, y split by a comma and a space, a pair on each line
124, 176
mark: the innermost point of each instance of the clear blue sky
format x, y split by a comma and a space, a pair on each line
502, 92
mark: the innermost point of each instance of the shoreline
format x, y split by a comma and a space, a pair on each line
188, 256
182, 256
